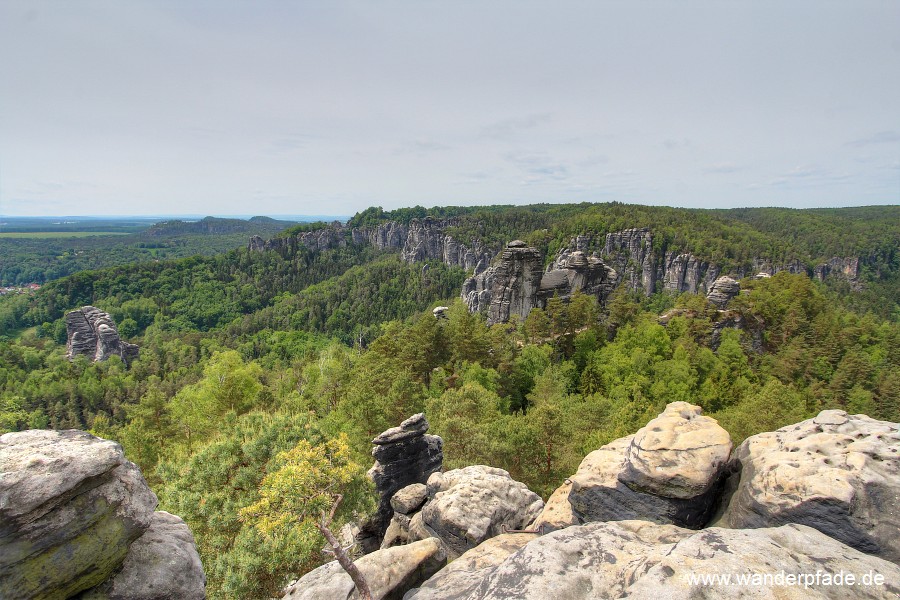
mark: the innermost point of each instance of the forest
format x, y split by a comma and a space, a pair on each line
37, 251
247, 354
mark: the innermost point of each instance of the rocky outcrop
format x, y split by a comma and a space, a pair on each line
420, 240
722, 291
92, 333
404, 455
558, 512
630, 252
71, 510
161, 564
837, 473
389, 574
841, 268
637, 559
573, 271
671, 471
516, 280
462, 576
467, 506
426, 240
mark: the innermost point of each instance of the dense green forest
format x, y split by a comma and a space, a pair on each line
43, 258
246, 354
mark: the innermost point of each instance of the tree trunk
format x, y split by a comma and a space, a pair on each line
341, 555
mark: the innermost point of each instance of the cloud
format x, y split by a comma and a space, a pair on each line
538, 167
882, 137
508, 128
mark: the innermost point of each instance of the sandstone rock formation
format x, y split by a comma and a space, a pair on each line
459, 578
404, 455
160, 565
467, 506
671, 471
389, 573
420, 240
517, 279
91, 332
837, 473
842, 268
637, 559
722, 291
71, 510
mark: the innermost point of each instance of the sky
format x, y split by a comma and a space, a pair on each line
132, 107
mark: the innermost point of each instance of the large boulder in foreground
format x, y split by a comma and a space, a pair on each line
670, 471
837, 473
92, 332
460, 577
70, 507
467, 506
389, 573
161, 564
637, 559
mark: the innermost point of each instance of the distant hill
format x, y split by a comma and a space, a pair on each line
218, 226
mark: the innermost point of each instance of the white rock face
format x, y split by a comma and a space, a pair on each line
671, 471
467, 506
637, 559
679, 454
389, 573
460, 577
837, 473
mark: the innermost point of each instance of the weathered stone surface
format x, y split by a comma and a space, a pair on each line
410, 498
415, 426
840, 268
574, 271
161, 564
70, 506
516, 281
457, 580
631, 478
722, 291
404, 455
637, 559
390, 573
467, 506
837, 473
557, 513
679, 454
91, 332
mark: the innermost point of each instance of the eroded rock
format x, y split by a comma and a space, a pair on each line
389, 573
837, 473
92, 333
671, 471
467, 506
161, 564
404, 455
70, 506
722, 291
457, 580
637, 559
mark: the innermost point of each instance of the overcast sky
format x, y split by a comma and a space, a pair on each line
278, 107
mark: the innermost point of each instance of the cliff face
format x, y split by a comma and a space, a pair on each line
92, 332
516, 281
421, 240
593, 264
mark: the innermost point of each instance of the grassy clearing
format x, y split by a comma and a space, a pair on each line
57, 234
